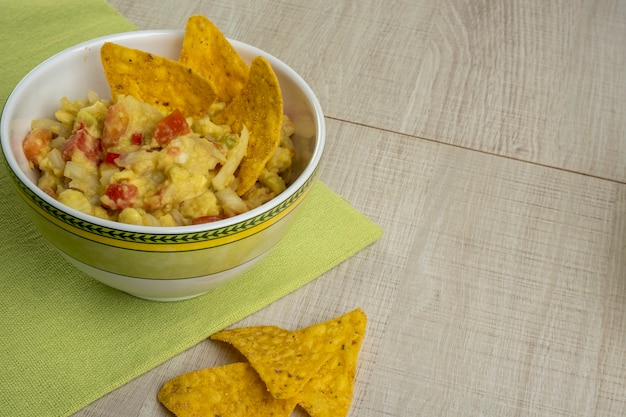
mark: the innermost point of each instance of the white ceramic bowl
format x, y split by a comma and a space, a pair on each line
157, 263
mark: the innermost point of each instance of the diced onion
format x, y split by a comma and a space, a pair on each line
75, 171
55, 126
178, 218
82, 179
56, 161
235, 155
231, 203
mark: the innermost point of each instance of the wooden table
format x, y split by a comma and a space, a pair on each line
488, 139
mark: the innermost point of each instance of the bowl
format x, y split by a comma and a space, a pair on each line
155, 263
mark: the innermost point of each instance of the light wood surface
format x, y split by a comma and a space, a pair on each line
488, 139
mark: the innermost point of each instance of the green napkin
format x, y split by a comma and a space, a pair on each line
66, 339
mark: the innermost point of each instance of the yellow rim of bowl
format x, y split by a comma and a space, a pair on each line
161, 242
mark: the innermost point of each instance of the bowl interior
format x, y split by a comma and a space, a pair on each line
73, 72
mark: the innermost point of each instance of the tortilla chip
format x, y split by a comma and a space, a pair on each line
233, 390
156, 80
207, 51
283, 362
329, 393
288, 360
260, 107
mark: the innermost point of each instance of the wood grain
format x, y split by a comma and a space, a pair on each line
530, 80
534, 81
498, 288
488, 141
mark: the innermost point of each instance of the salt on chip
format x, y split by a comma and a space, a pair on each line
207, 51
233, 390
259, 106
329, 393
288, 360
282, 361
156, 80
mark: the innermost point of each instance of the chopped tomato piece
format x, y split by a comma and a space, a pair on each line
37, 144
82, 141
115, 124
110, 158
99, 148
136, 139
206, 219
119, 196
170, 127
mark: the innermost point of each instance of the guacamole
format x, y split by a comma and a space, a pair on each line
127, 161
